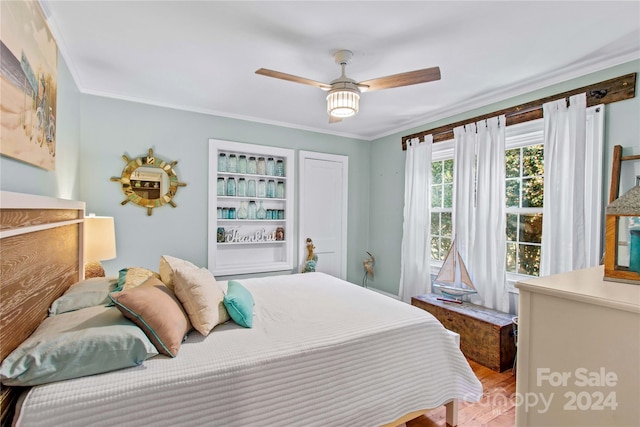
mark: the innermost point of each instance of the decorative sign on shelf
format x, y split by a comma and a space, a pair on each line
232, 235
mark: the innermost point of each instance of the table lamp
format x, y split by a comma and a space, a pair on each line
99, 244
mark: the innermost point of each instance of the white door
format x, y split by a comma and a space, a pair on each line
324, 180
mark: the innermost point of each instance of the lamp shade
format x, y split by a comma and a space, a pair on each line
343, 100
99, 238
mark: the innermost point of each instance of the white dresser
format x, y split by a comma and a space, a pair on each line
578, 351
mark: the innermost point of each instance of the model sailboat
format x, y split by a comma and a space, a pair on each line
453, 279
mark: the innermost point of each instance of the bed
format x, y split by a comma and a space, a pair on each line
321, 352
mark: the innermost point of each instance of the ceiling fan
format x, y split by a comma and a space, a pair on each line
343, 99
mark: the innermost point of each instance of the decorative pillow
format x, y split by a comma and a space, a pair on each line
131, 277
201, 297
75, 344
239, 303
169, 264
85, 293
156, 310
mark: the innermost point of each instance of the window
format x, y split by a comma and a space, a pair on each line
524, 185
441, 207
524, 172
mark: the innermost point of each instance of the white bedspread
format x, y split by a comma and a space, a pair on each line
322, 352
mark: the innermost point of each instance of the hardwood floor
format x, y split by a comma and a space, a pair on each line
496, 409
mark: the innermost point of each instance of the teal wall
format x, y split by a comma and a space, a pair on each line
111, 128
622, 127
94, 132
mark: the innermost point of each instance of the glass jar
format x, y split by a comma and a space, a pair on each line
233, 164
231, 187
220, 235
269, 213
251, 188
242, 211
222, 162
252, 210
271, 166
219, 213
262, 213
280, 190
271, 189
252, 165
262, 166
222, 187
262, 188
279, 168
281, 214
242, 187
225, 213
232, 213
242, 164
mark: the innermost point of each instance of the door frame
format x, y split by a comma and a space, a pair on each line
344, 160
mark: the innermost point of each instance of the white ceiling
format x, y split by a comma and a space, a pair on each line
202, 55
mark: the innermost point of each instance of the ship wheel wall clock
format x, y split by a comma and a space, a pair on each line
149, 182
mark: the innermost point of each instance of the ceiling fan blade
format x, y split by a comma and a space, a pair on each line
403, 79
333, 119
292, 78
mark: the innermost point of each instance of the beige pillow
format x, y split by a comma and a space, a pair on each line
136, 276
156, 310
169, 264
201, 297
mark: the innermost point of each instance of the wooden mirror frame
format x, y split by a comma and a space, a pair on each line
152, 161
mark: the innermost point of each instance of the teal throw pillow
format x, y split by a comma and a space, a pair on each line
76, 344
122, 277
239, 304
85, 293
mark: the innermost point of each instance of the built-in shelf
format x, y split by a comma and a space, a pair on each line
240, 257
247, 198
261, 221
253, 176
271, 242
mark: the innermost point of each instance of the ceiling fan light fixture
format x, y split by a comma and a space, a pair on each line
343, 102
343, 99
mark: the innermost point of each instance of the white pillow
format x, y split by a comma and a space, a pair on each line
201, 297
168, 265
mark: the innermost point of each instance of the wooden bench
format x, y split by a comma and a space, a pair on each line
486, 335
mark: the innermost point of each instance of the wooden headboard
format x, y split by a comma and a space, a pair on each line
40, 257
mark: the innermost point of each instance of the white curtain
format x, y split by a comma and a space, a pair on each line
415, 274
594, 208
488, 258
479, 208
563, 219
464, 155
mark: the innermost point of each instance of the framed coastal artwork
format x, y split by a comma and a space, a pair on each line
28, 83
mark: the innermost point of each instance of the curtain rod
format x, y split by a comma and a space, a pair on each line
605, 92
